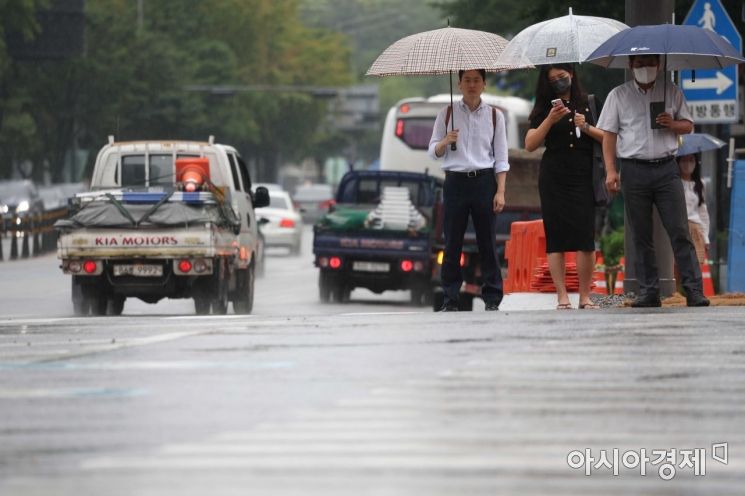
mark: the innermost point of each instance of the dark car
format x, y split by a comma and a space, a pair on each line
19, 200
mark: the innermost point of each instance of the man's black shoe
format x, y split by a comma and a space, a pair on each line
449, 307
647, 302
491, 306
697, 301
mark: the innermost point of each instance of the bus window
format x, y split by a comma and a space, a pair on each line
415, 132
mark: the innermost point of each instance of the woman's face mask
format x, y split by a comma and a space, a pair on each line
645, 75
561, 85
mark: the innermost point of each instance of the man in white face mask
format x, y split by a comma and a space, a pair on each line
642, 119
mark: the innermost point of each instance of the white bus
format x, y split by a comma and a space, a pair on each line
408, 129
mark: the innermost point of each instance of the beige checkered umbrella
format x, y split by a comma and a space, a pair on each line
442, 51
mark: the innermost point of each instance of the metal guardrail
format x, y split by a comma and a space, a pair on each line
34, 232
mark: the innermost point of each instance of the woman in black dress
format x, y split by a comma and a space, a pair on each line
561, 117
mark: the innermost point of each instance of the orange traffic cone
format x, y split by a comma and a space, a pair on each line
708, 283
598, 276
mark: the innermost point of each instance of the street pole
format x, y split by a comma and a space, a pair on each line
641, 12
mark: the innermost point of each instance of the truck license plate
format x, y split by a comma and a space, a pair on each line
138, 270
371, 266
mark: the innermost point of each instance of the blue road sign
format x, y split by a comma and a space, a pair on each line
712, 96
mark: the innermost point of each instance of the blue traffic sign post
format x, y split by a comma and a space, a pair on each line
712, 95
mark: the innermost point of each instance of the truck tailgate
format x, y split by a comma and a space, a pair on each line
151, 243
377, 244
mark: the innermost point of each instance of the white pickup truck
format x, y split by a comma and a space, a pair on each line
163, 219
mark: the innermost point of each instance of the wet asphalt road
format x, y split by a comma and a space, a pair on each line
373, 398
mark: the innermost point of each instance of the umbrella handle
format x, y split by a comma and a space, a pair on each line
453, 147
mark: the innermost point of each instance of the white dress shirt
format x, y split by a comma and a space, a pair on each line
696, 213
480, 143
626, 113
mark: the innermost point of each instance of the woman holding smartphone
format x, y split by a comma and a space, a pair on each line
561, 118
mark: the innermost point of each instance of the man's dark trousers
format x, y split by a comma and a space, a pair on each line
464, 196
644, 185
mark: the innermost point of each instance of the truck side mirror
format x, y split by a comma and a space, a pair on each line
261, 197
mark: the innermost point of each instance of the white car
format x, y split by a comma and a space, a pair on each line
281, 224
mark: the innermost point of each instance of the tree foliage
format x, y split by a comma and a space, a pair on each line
139, 81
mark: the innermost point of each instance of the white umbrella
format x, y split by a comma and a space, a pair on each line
562, 40
442, 51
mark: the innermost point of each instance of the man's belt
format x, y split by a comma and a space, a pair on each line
656, 161
471, 173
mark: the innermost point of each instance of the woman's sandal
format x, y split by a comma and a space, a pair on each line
588, 306
564, 306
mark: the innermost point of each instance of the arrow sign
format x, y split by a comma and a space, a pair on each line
720, 83
713, 97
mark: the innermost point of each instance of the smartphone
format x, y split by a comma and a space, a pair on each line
655, 109
556, 102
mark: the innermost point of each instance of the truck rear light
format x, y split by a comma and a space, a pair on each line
184, 265
407, 265
200, 266
287, 223
418, 266
323, 262
335, 262
400, 128
441, 257
404, 109
74, 267
90, 266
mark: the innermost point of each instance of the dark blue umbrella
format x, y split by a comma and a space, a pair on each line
697, 143
685, 47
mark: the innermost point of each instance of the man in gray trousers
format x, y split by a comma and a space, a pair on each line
641, 134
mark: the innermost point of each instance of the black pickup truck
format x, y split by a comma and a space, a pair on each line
351, 253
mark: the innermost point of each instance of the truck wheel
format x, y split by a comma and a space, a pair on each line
88, 299
202, 305
98, 304
244, 302
324, 287
220, 289
421, 296
115, 305
341, 292
220, 305
80, 305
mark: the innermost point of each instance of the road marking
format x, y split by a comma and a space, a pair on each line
426, 463
71, 393
377, 314
149, 365
41, 356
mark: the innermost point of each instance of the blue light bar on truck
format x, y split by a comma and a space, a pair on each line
196, 197
149, 197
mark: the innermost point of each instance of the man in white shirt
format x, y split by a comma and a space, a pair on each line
641, 136
475, 176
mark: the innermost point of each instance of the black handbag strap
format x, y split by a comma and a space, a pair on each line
597, 147
593, 109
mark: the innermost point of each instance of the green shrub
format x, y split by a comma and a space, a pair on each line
611, 246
